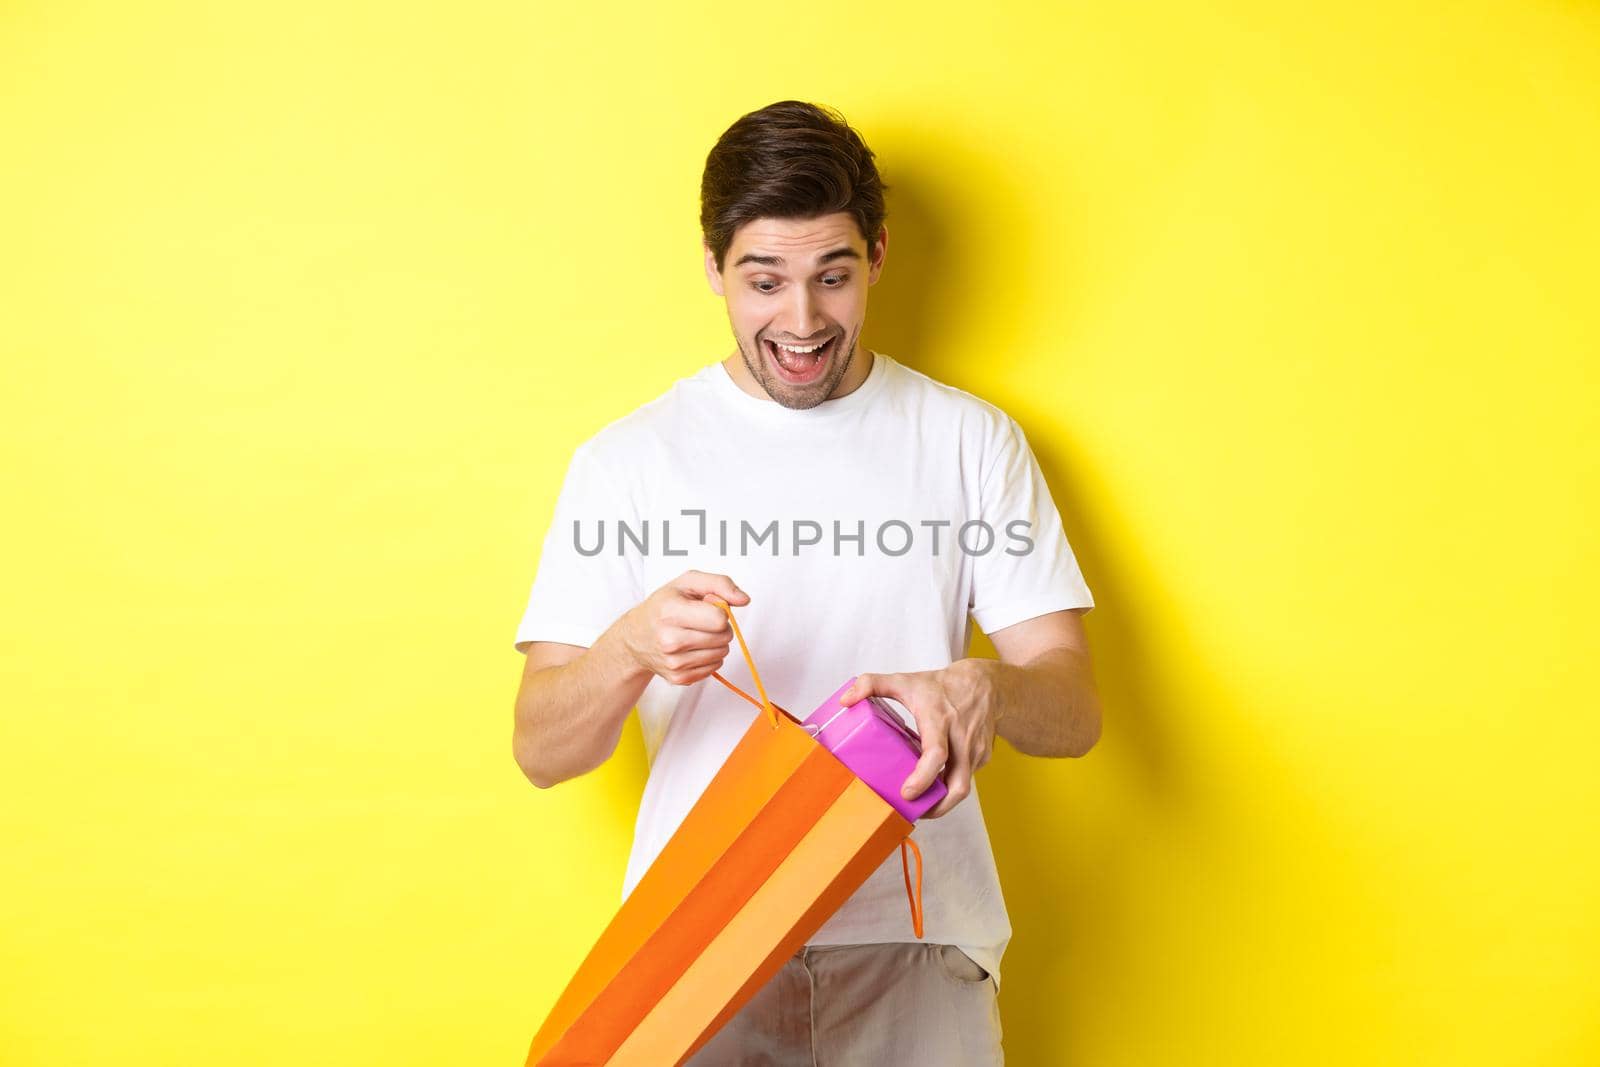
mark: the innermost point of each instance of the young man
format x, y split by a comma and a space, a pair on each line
856, 513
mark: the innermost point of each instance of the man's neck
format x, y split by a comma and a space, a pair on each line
860, 368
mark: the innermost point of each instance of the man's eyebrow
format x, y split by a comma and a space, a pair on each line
843, 252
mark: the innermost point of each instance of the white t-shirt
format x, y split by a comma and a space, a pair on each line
857, 527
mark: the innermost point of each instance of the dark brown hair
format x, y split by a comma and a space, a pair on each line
788, 160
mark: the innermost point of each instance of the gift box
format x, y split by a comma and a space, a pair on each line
796, 819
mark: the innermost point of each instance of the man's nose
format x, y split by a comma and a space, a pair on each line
804, 308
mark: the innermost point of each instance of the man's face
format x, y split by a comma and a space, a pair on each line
800, 283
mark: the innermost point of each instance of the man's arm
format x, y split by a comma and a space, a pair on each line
1039, 695
1045, 699
573, 701
571, 705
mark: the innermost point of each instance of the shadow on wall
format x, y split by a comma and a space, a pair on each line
1064, 874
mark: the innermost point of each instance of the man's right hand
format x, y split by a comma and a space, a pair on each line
677, 633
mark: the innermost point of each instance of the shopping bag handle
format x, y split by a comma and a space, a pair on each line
913, 898
764, 704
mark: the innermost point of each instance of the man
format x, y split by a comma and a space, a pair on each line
855, 513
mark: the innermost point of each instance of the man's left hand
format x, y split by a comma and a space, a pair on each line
956, 709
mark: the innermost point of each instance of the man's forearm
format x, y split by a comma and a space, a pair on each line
569, 717
1048, 706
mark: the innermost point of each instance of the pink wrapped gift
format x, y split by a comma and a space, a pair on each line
870, 739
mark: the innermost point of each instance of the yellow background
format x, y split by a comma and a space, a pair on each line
304, 306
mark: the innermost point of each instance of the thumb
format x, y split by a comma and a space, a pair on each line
720, 586
864, 686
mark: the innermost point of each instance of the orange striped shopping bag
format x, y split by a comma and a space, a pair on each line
784, 833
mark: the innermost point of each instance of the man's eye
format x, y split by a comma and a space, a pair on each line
833, 281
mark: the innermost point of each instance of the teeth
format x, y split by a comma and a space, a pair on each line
801, 351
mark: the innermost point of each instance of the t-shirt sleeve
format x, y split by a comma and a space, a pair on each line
1031, 569
582, 585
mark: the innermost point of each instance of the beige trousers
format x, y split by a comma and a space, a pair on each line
906, 1003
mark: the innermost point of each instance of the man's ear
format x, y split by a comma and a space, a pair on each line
875, 268
713, 275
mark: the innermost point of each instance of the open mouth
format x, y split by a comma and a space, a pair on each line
796, 365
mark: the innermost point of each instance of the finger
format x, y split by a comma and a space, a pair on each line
682, 639
700, 584
879, 685
708, 660
702, 616
927, 769
863, 687
957, 785
687, 668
